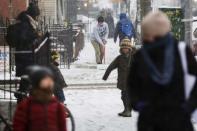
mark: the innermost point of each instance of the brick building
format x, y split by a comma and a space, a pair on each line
10, 9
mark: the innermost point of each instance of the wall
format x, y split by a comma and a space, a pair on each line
166, 3
48, 8
14, 10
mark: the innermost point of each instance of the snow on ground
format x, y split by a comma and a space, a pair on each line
85, 70
87, 55
87, 76
96, 110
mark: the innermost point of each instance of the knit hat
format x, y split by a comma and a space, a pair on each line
37, 75
126, 43
55, 55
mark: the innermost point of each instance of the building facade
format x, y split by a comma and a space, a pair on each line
59, 10
166, 4
11, 8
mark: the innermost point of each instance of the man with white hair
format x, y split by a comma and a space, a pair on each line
156, 81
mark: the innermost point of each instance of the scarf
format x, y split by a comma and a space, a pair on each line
42, 95
165, 76
33, 23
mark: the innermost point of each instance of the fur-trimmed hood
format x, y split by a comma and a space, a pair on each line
25, 17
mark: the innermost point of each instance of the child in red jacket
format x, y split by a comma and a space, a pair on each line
41, 111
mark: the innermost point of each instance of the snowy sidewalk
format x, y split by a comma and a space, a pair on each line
96, 110
86, 71
87, 76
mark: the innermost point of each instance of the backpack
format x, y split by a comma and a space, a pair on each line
12, 34
126, 27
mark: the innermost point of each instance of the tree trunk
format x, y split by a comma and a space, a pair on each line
187, 10
145, 7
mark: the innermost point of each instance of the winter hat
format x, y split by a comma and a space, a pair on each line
126, 43
100, 19
39, 73
123, 16
155, 24
33, 10
55, 55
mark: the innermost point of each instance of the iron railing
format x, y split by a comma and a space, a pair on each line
60, 40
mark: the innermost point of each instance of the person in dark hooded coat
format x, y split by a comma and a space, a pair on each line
156, 79
24, 37
122, 63
60, 83
110, 21
118, 30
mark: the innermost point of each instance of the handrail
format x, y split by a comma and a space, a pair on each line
41, 45
18, 92
71, 118
8, 127
35, 50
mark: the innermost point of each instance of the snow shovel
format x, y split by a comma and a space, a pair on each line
104, 55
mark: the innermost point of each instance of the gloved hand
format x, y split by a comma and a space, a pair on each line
104, 78
47, 34
104, 42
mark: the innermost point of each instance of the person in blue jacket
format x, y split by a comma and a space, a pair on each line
124, 28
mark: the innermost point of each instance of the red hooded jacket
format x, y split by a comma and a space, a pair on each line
33, 116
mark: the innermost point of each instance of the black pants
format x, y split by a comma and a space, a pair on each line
23, 90
164, 120
125, 98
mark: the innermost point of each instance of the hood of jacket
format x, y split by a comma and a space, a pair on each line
123, 16
24, 17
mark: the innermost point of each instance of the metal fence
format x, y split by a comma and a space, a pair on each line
61, 40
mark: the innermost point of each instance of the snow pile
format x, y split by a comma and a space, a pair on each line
84, 19
105, 4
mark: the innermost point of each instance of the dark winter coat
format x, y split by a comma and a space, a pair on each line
118, 32
31, 115
22, 37
59, 82
110, 21
80, 41
161, 103
122, 63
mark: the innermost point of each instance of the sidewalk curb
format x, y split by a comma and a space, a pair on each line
91, 86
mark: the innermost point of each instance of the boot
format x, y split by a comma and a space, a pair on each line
127, 110
125, 113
